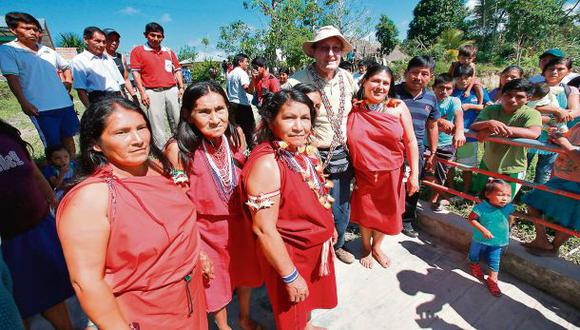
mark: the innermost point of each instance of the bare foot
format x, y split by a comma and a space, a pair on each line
310, 326
381, 258
249, 324
367, 261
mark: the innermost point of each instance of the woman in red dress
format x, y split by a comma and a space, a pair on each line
380, 131
208, 151
128, 232
289, 204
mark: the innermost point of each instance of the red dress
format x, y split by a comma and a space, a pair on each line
152, 256
375, 142
225, 237
305, 225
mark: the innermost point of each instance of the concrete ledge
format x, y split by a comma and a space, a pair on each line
555, 276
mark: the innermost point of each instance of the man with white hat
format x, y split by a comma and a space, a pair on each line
337, 88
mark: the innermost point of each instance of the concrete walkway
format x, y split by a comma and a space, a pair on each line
427, 286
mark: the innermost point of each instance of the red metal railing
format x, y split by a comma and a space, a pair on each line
520, 143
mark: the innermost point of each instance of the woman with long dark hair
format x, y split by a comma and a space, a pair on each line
29, 240
288, 201
128, 231
207, 151
380, 133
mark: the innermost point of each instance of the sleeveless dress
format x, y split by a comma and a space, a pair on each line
304, 225
151, 260
375, 141
225, 237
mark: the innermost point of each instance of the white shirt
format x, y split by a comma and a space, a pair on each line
96, 73
237, 78
37, 73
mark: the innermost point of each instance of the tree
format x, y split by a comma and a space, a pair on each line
187, 53
351, 17
238, 37
387, 34
71, 40
531, 22
449, 41
431, 17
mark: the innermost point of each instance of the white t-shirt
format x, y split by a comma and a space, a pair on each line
37, 73
236, 79
96, 73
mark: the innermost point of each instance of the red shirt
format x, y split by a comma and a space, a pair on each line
157, 67
267, 84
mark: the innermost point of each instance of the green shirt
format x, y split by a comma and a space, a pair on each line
504, 158
496, 220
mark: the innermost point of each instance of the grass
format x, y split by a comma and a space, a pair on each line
524, 231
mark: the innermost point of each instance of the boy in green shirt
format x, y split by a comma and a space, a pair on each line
511, 118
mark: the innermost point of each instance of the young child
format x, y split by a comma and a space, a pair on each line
60, 170
466, 56
463, 76
491, 231
451, 133
511, 118
540, 96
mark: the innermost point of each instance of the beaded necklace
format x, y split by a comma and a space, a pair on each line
312, 171
334, 119
221, 163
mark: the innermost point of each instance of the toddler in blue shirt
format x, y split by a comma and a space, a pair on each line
491, 231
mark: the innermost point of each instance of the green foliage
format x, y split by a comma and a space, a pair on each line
387, 34
432, 17
238, 37
202, 71
290, 23
449, 41
71, 40
187, 53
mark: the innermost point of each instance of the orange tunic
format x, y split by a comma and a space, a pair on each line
152, 255
305, 225
375, 141
225, 237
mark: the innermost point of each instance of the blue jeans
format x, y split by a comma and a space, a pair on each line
490, 254
341, 207
543, 167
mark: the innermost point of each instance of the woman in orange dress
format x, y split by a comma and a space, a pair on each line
288, 202
380, 132
209, 151
128, 232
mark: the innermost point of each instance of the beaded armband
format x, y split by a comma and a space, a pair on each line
262, 201
179, 176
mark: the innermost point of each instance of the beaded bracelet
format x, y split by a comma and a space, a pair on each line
292, 277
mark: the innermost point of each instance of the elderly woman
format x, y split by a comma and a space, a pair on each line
128, 231
290, 207
209, 152
380, 132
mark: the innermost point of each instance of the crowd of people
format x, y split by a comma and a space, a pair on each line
154, 231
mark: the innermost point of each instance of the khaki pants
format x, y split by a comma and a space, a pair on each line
163, 104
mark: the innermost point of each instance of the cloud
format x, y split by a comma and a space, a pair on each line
211, 54
129, 11
165, 18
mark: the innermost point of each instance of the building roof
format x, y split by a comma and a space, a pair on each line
396, 55
7, 36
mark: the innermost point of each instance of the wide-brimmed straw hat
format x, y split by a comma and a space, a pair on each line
325, 32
